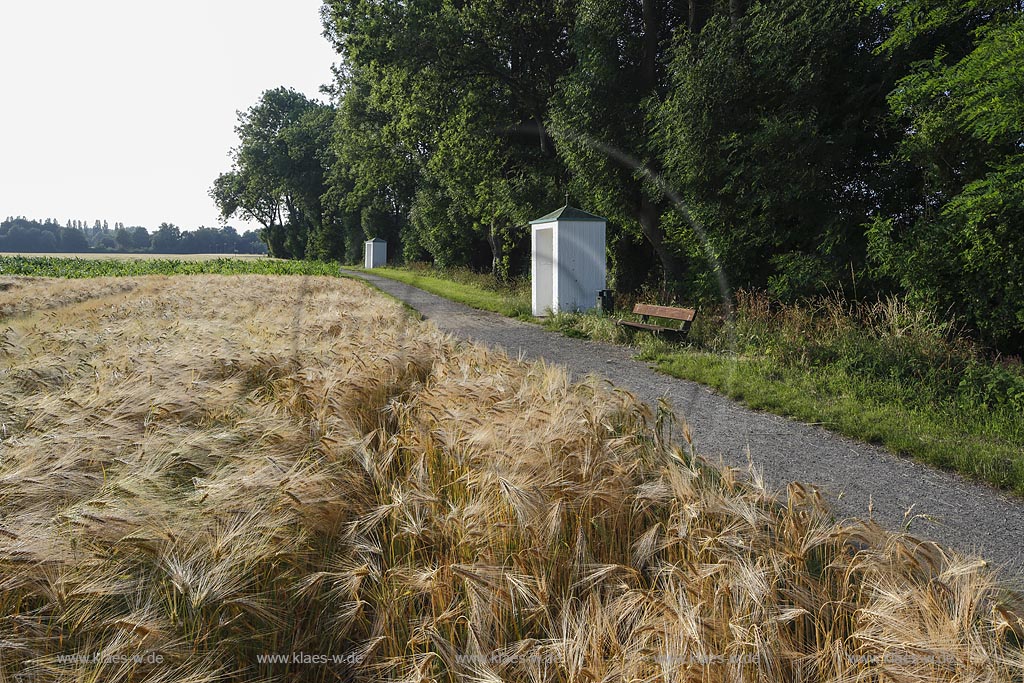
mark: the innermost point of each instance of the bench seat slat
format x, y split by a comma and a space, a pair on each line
646, 326
669, 312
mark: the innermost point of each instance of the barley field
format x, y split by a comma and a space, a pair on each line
283, 478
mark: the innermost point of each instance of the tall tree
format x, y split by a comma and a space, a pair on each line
371, 185
167, 239
279, 170
601, 115
139, 238
72, 241
123, 238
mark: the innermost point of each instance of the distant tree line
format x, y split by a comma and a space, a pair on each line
799, 146
48, 236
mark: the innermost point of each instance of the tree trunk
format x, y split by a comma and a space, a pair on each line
649, 212
275, 239
496, 239
700, 13
672, 266
649, 63
543, 133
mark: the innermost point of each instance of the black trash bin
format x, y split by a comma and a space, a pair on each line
605, 301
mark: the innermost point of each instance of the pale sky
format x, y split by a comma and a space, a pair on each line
124, 110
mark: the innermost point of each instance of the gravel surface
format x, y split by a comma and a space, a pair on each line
854, 477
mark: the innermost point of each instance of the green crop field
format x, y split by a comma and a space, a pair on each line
139, 257
101, 265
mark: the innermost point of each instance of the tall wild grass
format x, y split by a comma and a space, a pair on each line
925, 358
200, 474
881, 371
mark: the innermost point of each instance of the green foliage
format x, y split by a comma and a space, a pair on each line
25, 236
279, 173
801, 146
605, 138
445, 148
371, 184
166, 238
587, 326
959, 246
73, 240
769, 131
19, 234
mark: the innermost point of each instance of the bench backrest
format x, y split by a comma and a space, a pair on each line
669, 312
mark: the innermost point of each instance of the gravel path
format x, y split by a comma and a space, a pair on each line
966, 515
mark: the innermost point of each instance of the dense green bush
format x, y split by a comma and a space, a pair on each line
958, 244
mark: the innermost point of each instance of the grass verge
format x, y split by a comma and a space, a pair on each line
983, 444
465, 287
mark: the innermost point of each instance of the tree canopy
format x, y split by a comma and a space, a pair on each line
75, 237
279, 172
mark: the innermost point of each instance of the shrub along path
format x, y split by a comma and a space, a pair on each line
854, 477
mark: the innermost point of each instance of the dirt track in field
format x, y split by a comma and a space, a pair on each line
856, 478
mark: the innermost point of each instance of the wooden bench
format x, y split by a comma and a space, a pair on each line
685, 316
